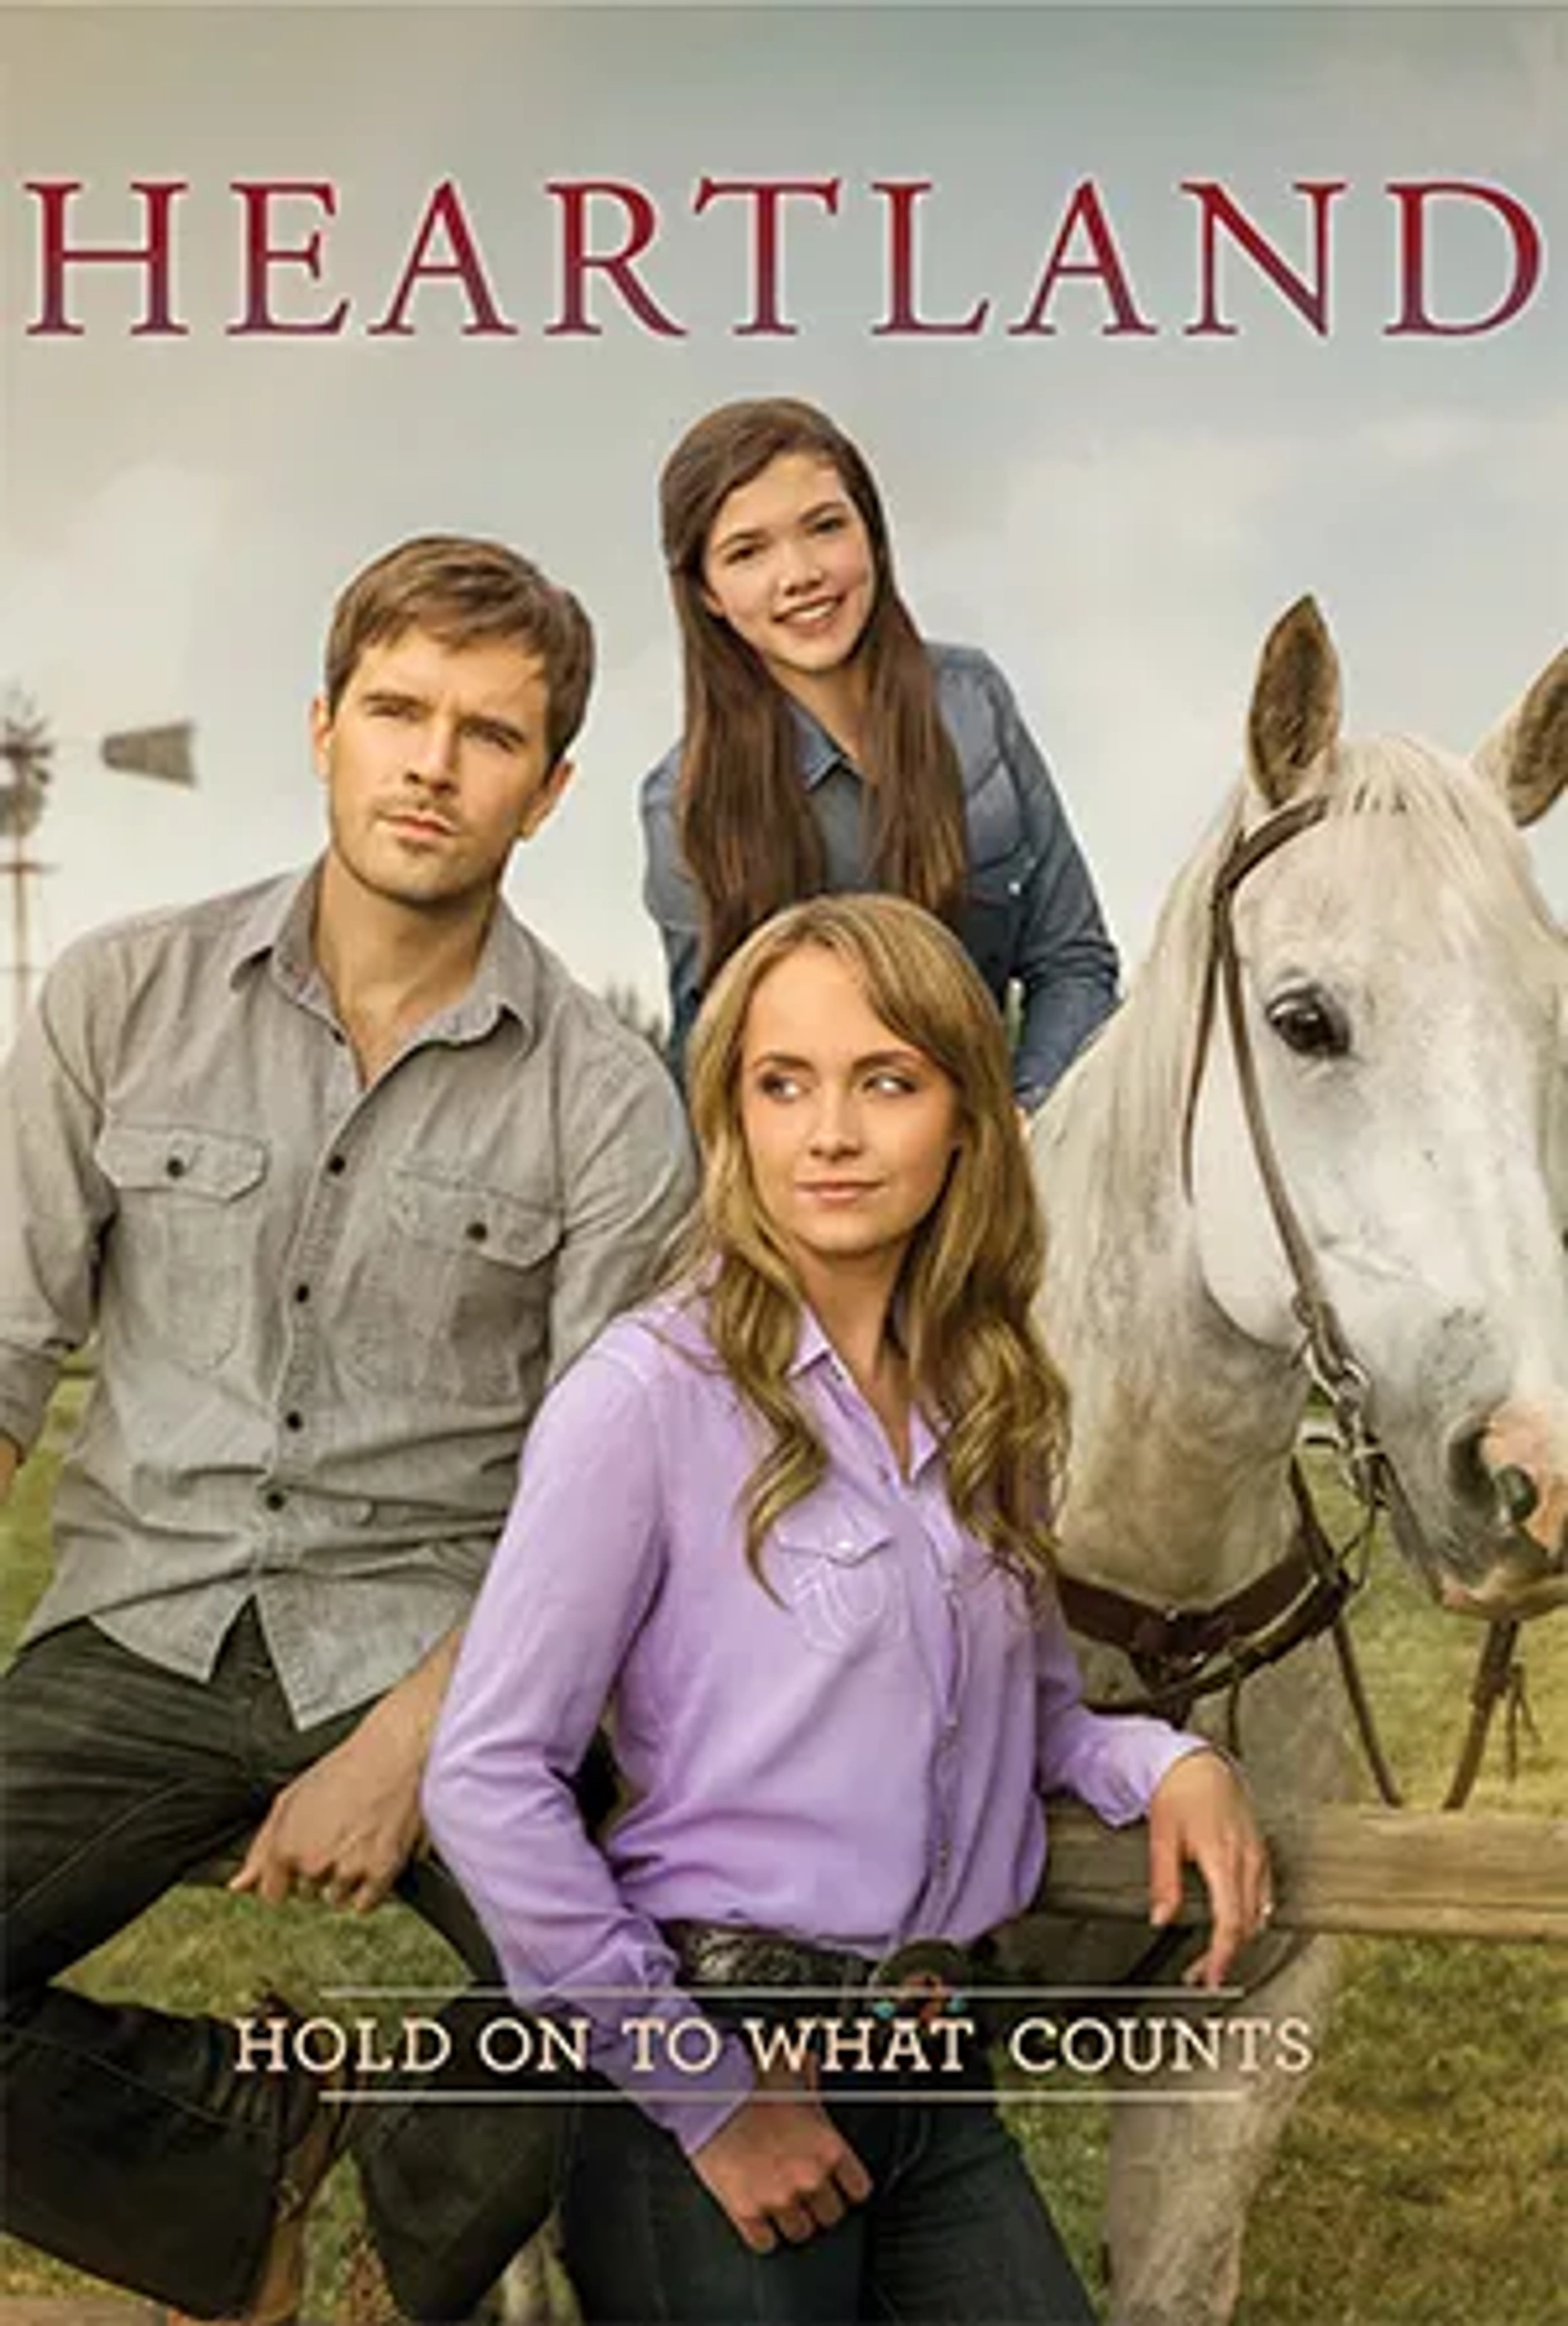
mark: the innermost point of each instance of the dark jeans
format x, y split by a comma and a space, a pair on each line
132, 2148
953, 2233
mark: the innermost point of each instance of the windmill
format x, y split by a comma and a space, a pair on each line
27, 756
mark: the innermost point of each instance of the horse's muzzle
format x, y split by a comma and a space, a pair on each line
1509, 1478
1522, 1579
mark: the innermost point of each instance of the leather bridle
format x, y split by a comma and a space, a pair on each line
1184, 1653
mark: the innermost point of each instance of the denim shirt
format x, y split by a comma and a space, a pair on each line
1030, 916
326, 1312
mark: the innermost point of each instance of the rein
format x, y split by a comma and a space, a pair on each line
1180, 1655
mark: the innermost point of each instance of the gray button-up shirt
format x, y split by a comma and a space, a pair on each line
326, 1312
1030, 915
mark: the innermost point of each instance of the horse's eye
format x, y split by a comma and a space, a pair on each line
1310, 1023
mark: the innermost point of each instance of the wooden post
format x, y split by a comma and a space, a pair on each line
1396, 1873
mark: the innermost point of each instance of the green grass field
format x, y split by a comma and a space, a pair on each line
1422, 2179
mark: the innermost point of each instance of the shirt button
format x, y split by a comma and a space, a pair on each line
274, 1498
336, 1165
302, 1293
477, 1232
294, 1421
175, 1167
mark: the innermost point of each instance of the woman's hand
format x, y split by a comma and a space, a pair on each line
780, 2167
1200, 1811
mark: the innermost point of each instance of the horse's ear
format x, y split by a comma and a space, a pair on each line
1296, 701
1527, 756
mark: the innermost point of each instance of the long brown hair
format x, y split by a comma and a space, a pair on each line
976, 1366
747, 833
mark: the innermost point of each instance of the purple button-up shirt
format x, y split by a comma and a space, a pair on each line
855, 1757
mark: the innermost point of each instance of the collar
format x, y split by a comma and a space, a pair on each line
276, 923
277, 926
816, 753
813, 1349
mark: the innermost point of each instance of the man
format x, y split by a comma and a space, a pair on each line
342, 1169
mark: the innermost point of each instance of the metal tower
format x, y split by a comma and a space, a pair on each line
27, 754
27, 762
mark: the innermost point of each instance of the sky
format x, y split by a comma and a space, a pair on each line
1117, 517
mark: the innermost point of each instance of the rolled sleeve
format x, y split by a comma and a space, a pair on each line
1113, 1762
54, 1201
1065, 962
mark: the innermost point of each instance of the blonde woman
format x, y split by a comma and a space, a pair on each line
792, 1525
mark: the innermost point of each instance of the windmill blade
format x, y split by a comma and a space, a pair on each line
166, 753
26, 764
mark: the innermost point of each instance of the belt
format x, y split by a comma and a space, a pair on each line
924, 1971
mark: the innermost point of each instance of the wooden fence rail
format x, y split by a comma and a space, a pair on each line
1393, 1872
1382, 1873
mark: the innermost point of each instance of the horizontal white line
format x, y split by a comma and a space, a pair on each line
978, 1989
1013, 2095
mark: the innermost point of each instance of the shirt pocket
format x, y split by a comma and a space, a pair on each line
836, 1568
180, 1252
450, 1295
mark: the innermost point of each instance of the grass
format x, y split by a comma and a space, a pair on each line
1420, 2180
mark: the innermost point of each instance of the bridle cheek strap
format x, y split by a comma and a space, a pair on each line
1328, 1357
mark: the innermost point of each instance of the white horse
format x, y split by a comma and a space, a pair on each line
1401, 985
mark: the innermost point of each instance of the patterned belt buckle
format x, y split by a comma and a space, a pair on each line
920, 1981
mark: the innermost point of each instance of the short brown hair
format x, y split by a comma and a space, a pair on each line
464, 592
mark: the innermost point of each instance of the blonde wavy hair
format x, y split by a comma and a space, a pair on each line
977, 1368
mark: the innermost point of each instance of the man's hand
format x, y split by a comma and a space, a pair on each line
344, 1830
10, 1463
1201, 1811
780, 2167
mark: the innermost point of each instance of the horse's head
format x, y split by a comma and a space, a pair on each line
1402, 992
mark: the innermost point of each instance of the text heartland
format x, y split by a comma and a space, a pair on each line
603, 245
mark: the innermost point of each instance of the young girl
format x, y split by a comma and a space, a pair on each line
792, 1522
827, 747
